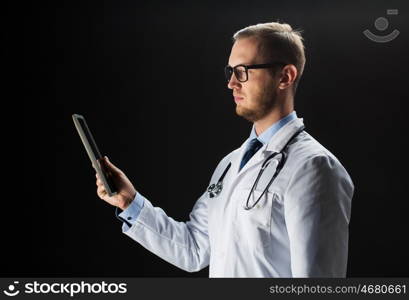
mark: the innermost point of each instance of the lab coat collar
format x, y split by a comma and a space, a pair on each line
280, 139
269, 132
276, 143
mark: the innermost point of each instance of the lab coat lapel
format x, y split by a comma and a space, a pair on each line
232, 174
252, 161
235, 165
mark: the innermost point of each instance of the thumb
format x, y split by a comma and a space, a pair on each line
111, 166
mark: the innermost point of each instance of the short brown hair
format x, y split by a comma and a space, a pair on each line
278, 42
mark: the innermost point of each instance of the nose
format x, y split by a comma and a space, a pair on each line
233, 82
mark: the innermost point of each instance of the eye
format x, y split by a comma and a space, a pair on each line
240, 72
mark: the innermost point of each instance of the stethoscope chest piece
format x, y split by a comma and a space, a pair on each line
214, 190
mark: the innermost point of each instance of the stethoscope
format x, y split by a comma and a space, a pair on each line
215, 189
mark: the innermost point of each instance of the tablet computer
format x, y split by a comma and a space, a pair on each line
94, 153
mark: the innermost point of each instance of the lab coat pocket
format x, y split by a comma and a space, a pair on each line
253, 225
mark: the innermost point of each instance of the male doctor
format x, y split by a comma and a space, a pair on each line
295, 227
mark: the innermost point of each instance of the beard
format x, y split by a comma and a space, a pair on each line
262, 106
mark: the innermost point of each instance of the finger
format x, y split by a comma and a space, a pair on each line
99, 182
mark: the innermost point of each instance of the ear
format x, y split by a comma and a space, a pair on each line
287, 77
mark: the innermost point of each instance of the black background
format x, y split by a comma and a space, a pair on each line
148, 77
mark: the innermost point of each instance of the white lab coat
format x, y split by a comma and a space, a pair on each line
299, 229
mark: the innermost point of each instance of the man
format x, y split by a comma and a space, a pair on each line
290, 222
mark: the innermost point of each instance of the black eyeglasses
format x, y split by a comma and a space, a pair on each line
241, 71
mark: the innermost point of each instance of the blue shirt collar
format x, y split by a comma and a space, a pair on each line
269, 132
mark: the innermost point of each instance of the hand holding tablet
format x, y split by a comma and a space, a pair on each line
113, 185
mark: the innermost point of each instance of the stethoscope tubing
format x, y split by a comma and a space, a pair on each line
215, 189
